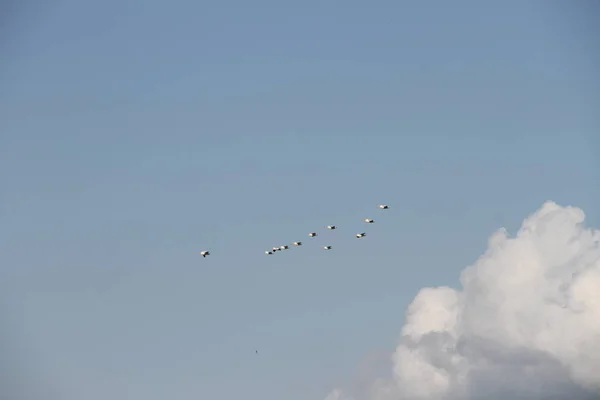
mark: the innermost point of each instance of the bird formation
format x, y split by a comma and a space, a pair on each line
275, 249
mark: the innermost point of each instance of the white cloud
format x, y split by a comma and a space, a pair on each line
526, 323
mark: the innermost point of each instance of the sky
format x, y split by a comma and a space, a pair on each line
134, 134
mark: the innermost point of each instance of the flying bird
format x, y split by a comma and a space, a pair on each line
273, 250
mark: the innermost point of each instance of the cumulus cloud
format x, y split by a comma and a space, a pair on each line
526, 324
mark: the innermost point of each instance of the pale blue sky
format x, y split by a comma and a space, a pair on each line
135, 134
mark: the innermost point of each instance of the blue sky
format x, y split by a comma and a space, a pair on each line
134, 134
